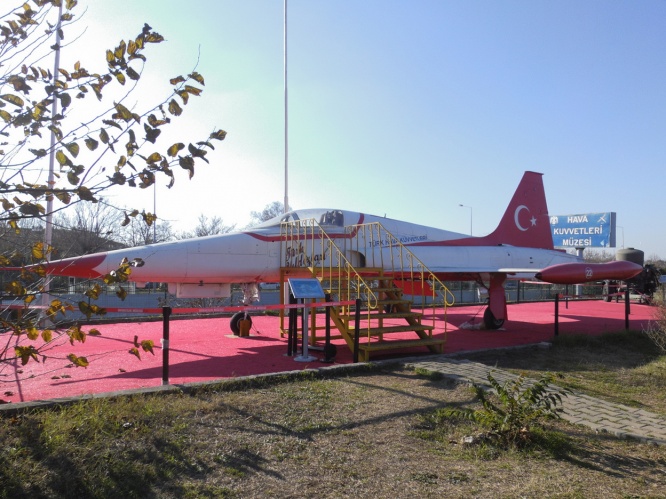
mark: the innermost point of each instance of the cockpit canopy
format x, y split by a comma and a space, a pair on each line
325, 218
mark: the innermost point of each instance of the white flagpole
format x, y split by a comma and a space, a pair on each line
286, 119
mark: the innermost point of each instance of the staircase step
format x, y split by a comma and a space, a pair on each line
339, 284
377, 346
395, 315
395, 301
376, 331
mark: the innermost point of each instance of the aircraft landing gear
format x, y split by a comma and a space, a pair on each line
235, 319
250, 295
490, 321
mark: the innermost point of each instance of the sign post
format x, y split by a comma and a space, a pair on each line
304, 289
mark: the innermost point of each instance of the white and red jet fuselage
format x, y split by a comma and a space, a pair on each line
520, 246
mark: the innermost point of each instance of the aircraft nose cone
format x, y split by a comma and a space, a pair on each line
82, 266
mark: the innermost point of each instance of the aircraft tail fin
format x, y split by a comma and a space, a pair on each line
525, 221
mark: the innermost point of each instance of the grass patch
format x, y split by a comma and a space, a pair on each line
428, 374
624, 367
373, 432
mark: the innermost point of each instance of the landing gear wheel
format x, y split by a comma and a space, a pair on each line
490, 321
607, 290
235, 319
330, 351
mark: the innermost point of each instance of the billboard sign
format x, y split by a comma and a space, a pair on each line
588, 230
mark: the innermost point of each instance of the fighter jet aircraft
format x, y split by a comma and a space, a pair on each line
519, 247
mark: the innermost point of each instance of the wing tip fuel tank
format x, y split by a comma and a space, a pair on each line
577, 273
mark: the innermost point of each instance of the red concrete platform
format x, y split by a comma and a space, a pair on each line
205, 349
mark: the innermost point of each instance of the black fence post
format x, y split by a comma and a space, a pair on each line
166, 313
627, 308
329, 350
357, 331
557, 314
517, 291
300, 313
291, 341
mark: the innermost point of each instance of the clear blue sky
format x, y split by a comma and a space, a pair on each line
410, 108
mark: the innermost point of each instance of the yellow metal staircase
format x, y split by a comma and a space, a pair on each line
368, 265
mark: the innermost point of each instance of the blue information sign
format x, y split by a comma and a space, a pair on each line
596, 230
306, 288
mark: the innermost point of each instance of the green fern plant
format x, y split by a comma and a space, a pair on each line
513, 408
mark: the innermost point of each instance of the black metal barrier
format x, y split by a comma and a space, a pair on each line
627, 310
292, 336
292, 340
329, 349
557, 314
166, 313
357, 329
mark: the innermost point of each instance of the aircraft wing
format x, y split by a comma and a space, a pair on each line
518, 270
482, 269
473, 273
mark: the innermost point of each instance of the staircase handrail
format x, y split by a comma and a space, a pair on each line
392, 242
319, 261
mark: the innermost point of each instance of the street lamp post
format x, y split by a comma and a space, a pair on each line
470, 217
